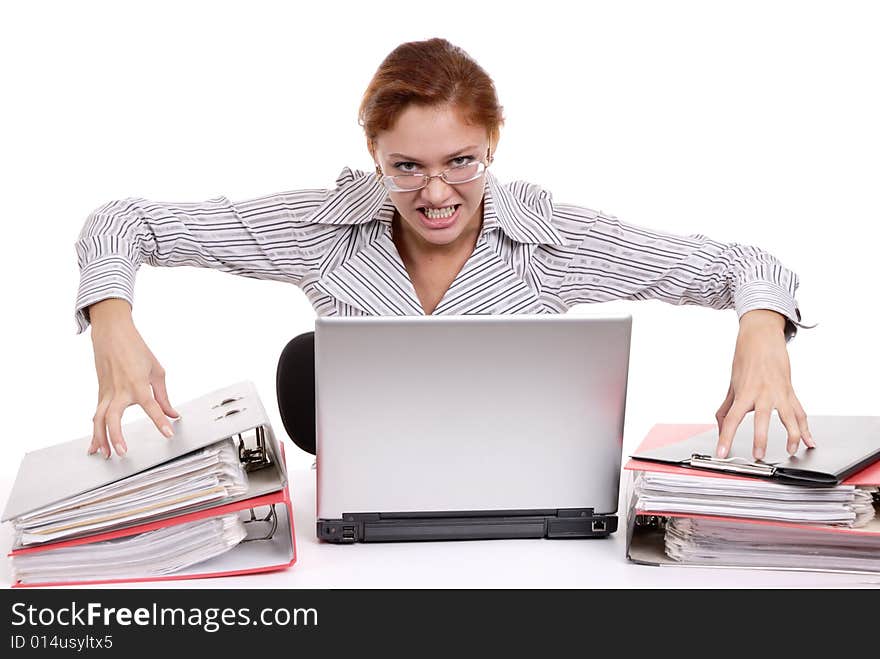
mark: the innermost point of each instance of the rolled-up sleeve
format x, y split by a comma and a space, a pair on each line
614, 260
255, 238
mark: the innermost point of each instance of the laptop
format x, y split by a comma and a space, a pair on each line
469, 427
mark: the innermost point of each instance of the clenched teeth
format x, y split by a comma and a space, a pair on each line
439, 213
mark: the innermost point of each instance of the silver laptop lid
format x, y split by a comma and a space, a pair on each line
469, 413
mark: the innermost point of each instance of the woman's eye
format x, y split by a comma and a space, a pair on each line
461, 160
406, 166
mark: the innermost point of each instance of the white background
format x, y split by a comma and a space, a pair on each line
753, 122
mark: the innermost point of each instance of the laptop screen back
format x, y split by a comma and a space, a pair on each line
469, 413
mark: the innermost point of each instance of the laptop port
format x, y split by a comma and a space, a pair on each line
348, 534
599, 526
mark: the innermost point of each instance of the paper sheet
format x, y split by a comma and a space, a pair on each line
154, 553
844, 505
211, 474
730, 543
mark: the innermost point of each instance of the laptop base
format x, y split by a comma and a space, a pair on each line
473, 525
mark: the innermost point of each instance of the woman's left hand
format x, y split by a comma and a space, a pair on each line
761, 381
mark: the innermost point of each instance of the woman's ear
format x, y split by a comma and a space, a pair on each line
371, 147
493, 146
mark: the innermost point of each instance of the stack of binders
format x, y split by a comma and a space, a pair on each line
211, 501
816, 510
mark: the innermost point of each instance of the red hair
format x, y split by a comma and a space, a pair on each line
430, 73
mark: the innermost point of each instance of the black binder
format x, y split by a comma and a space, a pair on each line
844, 445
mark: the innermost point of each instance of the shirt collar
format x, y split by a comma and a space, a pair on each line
522, 211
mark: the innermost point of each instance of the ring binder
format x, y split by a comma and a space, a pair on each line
846, 445
677, 516
60, 487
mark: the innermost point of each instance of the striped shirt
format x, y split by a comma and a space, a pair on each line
532, 255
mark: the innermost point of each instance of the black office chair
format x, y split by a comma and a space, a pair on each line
295, 388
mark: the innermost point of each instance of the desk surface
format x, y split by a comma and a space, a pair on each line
583, 563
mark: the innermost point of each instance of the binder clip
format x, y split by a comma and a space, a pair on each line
733, 464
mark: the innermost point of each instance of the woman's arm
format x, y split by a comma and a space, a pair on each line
256, 238
617, 260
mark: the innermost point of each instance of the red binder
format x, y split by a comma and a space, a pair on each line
64, 477
276, 553
644, 540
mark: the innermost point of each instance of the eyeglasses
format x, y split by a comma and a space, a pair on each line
412, 182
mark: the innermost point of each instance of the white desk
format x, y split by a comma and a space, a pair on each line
482, 564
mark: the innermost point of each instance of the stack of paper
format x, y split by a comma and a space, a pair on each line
208, 475
814, 510
150, 554
169, 509
843, 505
721, 542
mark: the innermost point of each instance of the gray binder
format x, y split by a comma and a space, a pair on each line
58, 472
844, 446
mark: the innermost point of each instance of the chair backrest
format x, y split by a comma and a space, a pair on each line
295, 388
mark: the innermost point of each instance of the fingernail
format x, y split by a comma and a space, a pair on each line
722, 451
105, 452
759, 453
808, 438
121, 450
92, 450
792, 449
166, 430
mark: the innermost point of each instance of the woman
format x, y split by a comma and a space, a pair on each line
432, 232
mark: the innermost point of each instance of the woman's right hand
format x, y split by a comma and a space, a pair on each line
128, 374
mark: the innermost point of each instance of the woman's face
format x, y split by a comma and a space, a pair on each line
429, 140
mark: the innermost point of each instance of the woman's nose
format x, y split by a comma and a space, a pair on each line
437, 191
